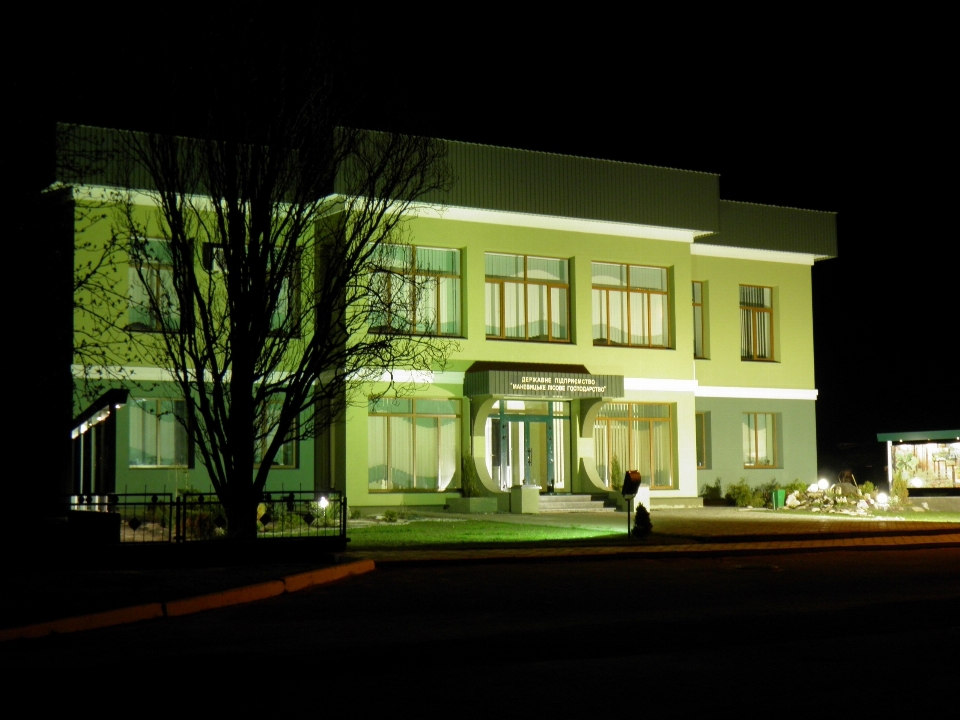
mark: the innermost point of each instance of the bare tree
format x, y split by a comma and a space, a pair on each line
83, 156
260, 270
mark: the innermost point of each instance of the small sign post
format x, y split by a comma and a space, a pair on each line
631, 483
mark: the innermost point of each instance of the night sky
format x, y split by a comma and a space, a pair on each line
818, 116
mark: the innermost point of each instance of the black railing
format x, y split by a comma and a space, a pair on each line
161, 517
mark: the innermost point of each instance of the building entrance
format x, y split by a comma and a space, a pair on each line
528, 444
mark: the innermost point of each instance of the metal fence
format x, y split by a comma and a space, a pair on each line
162, 517
296, 513
144, 517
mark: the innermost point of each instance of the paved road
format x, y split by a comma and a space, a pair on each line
815, 626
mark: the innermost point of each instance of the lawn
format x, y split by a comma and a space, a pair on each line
473, 533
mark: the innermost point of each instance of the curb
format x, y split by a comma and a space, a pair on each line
656, 552
188, 606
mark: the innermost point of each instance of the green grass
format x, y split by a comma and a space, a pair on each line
474, 533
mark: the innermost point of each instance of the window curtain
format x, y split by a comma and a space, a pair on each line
492, 305
449, 452
514, 312
401, 452
537, 311
599, 315
428, 454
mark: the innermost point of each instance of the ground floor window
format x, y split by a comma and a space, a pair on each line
158, 437
759, 440
634, 436
413, 445
701, 419
528, 443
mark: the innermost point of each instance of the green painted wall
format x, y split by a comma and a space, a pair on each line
796, 441
793, 323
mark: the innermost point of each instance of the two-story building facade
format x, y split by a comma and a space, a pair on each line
608, 317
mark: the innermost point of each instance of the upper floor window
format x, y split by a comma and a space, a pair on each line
630, 305
419, 290
285, 318
756, 323
528, 298
153, 301
699, 350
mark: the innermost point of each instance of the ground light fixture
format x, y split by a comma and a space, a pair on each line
323, 502
823, 484
882, 499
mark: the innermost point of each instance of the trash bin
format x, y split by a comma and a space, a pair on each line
778, 498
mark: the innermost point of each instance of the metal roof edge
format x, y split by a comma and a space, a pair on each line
925, 435
778, 207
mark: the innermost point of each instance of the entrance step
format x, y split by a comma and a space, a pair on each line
572, 503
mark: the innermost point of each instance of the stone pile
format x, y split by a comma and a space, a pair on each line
839, 499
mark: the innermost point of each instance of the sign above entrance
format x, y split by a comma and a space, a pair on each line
539, 380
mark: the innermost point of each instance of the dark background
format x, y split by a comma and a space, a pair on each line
810, 112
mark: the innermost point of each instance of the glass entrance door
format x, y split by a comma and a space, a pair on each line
527, 444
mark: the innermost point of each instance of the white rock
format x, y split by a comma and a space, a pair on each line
791, 500
862, 505
813, 488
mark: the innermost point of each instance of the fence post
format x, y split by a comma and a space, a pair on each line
178, 515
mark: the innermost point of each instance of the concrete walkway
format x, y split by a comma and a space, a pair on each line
43, 600
724, 522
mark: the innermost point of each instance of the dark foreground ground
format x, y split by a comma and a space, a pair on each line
765, 634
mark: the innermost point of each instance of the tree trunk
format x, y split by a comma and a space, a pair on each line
240, 507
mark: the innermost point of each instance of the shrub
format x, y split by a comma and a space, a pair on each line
355, 513
796, 486
616, 474
390, 516
900, 489
741, 494
712, 492
764, 494
642, 525
868, 488
200, 525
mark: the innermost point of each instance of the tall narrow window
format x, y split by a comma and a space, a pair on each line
527, 298
413, 445
701, 420
698, 346
286, 456
630, 305
153, 302
756, 323
418, 291
759, 440
635, 436
157, 434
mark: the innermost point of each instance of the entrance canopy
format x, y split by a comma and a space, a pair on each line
541, 380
